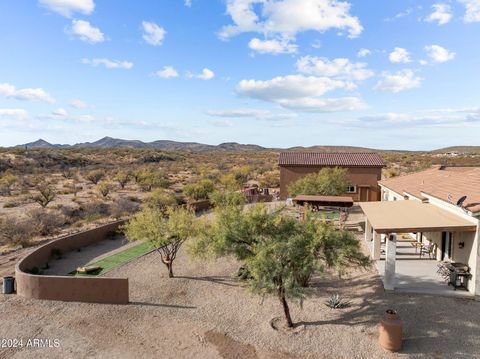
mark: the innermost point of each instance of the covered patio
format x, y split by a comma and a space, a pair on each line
404, 262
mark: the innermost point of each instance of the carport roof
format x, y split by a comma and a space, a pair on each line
413, 216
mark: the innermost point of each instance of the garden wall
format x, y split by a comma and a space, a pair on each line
69, 288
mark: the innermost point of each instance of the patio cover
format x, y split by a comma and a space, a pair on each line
413, 216
334, 201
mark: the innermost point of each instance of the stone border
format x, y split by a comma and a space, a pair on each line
70, 288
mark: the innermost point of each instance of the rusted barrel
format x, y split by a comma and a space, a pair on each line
390, 331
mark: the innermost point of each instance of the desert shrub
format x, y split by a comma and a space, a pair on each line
67, 172
15, 231
70, 213
327, 182
152, 178
45, 222
123, 207
7, 181
104, 188
122, 177
199, 190
95, 176
94, 210
270, 179
11, 204
160, 200
44, 194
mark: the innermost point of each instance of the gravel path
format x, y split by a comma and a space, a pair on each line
205, 313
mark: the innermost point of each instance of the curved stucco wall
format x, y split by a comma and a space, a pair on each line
69, 288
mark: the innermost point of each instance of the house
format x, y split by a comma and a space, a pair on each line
439, 209
364, 171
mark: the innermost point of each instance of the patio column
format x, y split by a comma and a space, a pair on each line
376, 245
390, 254
368, 230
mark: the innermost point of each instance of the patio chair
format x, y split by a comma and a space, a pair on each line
429, 249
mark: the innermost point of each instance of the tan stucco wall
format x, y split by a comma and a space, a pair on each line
69, 288
359, 176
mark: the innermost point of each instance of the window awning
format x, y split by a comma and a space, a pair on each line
413, 216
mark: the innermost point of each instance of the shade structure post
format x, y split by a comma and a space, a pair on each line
376, 247
368, 230
390, 254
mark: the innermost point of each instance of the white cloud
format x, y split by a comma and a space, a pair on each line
152, 33
288, 87
284, 19
301, 93
222, 123
60, 112
167, 72
435, 117
64, 115
13, 114
439, 54
442, 14
472, 10
251, 113
68, 7
363, 53
109, 64
86, 32
27, 94
340, 68
274, 46
399, 55
399, 81
206, 74
310, 104
76, 103
188, 3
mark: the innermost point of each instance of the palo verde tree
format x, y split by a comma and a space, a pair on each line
167, 232
278, 251
199, 190
327, 182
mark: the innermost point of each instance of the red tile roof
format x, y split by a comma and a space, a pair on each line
445, 183
340, 159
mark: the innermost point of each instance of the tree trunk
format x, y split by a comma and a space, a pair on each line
286, 309
170, 269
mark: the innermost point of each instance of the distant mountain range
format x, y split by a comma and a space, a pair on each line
166, 145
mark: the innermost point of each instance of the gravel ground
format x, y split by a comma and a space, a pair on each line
205, 313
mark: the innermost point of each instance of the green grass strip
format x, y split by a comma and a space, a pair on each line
118, 259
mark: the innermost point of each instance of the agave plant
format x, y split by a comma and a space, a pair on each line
335, 302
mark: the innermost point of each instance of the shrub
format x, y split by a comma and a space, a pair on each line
104, 188
93, 210
200, 190
95, 176
160, 200
122, 207
122, 178
45, 194
327, 182
44, 222
15, 231
152, 178
7, 181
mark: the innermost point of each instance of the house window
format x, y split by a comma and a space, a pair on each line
351, 189
385, 195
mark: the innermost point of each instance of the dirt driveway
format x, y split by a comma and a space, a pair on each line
205, 313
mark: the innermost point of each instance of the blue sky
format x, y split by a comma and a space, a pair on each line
385, 74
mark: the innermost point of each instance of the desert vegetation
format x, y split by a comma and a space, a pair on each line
82, 187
